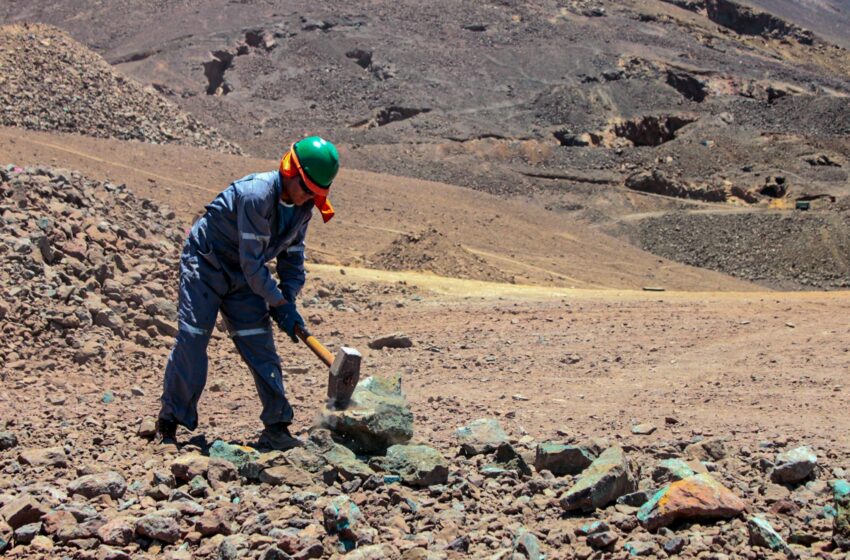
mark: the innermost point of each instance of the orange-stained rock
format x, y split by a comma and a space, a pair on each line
697, 497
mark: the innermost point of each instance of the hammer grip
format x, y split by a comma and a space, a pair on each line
314, 345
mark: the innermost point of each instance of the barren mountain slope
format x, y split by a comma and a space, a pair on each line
829, 19
523, 242
563, 102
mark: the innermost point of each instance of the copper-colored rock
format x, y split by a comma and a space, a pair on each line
697, 497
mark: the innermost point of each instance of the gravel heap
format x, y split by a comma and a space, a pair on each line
50, 82
85, 263
784, 250
431, 251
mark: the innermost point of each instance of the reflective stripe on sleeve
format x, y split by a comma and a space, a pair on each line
295, 249
255, 237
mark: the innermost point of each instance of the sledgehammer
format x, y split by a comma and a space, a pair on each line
344, 370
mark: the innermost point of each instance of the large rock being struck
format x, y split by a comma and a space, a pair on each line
377, 417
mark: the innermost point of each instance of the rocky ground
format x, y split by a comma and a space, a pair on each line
519, 418
51, 82
599, 425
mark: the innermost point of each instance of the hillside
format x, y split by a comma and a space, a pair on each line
517, 241
51, 82
566, 105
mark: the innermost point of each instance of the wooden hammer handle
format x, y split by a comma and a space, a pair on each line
314, 345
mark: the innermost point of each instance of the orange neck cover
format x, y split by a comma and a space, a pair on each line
289, 167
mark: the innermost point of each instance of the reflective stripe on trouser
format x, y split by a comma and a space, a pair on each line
204, 289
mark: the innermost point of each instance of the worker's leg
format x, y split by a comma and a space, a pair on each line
247, 318
202, 285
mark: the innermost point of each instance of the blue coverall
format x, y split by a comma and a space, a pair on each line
222, 267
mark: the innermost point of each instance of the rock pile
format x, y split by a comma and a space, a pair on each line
51, 82
83, 263
796, 255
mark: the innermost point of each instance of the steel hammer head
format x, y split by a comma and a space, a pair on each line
343, 377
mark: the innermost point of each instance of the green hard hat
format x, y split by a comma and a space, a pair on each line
319, 159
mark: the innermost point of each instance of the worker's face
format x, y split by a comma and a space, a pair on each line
295, 191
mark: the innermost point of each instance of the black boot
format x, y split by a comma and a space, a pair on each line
166, 431
277, 436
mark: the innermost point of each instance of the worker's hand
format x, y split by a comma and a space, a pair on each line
286, 316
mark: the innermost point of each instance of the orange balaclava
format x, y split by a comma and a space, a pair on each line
290, 167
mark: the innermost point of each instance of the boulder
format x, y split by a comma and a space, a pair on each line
763, 534
507, 459
346, 463
636, 499
794, 465
47, 457
89, 486
288, 475
215, 522
117, 532
41, 544
603, 540
159, 527
341, 517
186, 467
239, 455
321, 451
22, 511
526, 545
641, 548
8, 440
695, 498
377, 417
396, 340
480, 436
147, 427
220, 472
674, 545
417, 465
671, 470
254, 466
26, 533
56, 520
76, 531
643, 429
605, 480
561, 459
713, 449
841, 522
6, 534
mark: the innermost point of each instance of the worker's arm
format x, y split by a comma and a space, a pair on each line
290, 266
254, 207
